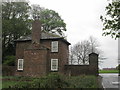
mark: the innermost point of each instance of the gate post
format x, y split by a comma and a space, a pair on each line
93, 59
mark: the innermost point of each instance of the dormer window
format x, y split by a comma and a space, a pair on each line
54, 46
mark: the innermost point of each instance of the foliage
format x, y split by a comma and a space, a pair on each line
15, 23
54, 80
83, 82
111, 21
51, 20
8, 84
9, 60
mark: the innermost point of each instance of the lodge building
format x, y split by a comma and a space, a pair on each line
41, 52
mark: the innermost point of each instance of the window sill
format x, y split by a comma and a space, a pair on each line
19, 70
54, 70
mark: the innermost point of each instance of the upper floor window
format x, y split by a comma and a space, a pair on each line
54, 46
20, 64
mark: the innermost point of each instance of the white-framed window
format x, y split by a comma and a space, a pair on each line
54, 64
20, 64
54, 46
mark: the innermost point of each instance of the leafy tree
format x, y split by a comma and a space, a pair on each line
15, 23
111, 21
51, 21
9, 60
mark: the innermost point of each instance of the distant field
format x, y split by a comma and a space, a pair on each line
108, 71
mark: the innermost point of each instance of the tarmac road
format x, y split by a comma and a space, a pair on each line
110, 81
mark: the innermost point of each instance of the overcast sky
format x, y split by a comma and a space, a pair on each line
82, 20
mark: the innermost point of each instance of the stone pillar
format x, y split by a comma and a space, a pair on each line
36, 34
93, 59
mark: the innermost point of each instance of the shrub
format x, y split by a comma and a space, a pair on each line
9, 60
22, 85
55, 80
52, 80
83, 82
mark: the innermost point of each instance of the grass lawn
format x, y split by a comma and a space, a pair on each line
108, 71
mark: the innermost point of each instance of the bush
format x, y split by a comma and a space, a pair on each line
9, 60
52, 80
83, 81
55, 80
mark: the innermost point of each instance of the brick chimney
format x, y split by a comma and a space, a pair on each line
36, 34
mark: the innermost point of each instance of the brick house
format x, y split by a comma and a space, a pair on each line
41, 53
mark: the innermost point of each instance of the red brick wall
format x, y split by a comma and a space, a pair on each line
61, 55
41, 57
35, 62
91, 69
40, 63
36, 31
20, 46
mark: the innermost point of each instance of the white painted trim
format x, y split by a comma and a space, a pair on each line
18, 68
54, 46
56, 69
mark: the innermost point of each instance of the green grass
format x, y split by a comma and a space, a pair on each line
108, 71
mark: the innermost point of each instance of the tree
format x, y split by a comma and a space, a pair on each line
51, 21
80, 52
15, 23
111, 21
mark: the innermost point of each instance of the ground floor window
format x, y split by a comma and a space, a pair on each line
54, 64
20, 64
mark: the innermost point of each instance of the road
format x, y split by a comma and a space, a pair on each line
110, 81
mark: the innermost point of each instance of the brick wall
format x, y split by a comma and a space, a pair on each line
35, 62
8, 70
36, 34
61, 55
91, 69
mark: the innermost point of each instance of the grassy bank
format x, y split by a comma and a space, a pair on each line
51, 81
108, 71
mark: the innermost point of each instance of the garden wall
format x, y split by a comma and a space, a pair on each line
8, 70
91, 69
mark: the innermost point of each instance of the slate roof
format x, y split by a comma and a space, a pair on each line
44, 36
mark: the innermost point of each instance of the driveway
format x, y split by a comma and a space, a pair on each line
110, 81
